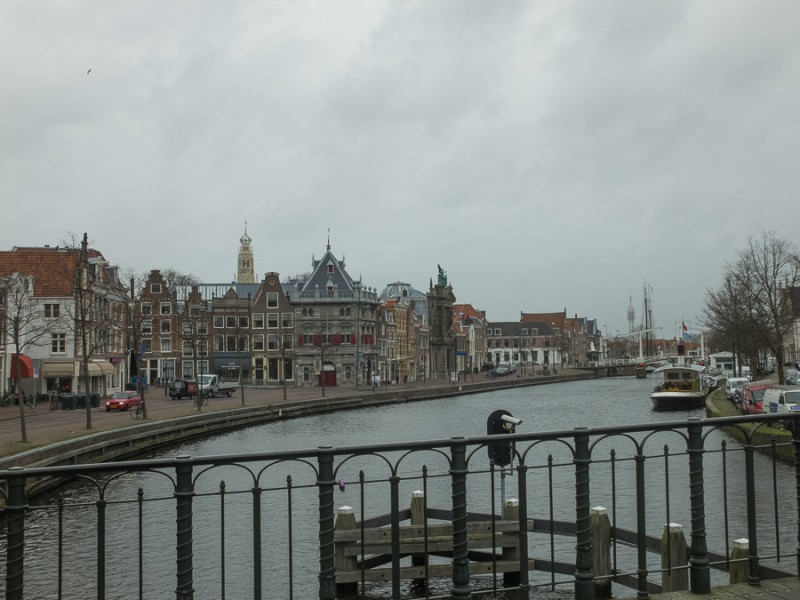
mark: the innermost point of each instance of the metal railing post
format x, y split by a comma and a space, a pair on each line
184, 496
16, 505
641, 525
522, 494
796, 442
699, 569
584, 570
753, 577
458, 477
327, 550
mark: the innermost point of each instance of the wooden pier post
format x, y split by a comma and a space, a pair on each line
740, 570
674, 559
600, 525
345, 519
511, 513
417, 510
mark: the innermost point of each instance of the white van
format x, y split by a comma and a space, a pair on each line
732, 384
781, 400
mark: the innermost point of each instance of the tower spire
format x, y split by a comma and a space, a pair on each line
245, 272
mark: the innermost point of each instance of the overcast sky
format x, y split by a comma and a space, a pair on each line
548, 155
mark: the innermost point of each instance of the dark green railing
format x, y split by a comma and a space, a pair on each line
46, 510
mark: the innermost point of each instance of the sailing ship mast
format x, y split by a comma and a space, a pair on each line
647, 314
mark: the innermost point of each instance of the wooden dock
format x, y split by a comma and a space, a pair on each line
770, 589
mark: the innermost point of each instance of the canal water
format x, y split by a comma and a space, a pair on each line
563, 406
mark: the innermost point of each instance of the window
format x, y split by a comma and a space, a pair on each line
230, 343
147, 346
219, 322
330, 267
286, 320
272, 342
188, 348
147, 308
524, 331
51, 311
187, 328
287, 341
258, 343
202, 347
258, 320
188, 368
58, 343
166, 308
155, 288
272, 300
147, 326
166, 326
202, 328
272, 321
244, 323
230, 322
219, 343
166, 345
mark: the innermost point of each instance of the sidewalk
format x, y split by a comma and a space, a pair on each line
48, 426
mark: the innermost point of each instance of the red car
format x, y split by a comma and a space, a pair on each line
123, 401
753, 396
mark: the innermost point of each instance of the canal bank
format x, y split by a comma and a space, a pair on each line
60, 437
764, 437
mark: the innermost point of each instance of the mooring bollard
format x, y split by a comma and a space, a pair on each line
345, 519
600, 526
674, 559
417, 510
511, 513
740, 565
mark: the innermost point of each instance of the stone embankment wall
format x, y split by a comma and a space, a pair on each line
122, 443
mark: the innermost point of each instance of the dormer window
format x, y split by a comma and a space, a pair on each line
330, 267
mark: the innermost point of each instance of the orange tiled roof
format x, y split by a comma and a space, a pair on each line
53, 269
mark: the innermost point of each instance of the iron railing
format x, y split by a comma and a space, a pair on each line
237, 525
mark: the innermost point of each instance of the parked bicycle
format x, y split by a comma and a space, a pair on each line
30, 403
137, 412
202, 398
8, 399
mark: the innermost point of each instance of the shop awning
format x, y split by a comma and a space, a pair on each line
94, 369
22, 362
58, 369
106, 368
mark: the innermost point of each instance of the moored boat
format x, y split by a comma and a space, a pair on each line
679, 386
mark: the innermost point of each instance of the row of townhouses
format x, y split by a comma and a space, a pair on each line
68, 318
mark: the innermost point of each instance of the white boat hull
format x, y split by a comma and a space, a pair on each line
677, 400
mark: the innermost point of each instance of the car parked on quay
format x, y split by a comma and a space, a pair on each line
123, 401
734, 385
753, 397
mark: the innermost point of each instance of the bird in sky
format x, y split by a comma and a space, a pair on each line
89, 71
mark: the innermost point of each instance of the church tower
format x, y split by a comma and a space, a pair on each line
246, 272
631, 315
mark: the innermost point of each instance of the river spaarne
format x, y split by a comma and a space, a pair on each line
562, 406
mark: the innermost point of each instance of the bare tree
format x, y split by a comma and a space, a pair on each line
772, 267
28, 326
95, 304
724, 312
752, 309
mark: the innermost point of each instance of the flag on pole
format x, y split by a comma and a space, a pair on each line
686, 335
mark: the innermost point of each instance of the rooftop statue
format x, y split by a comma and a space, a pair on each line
442, 276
